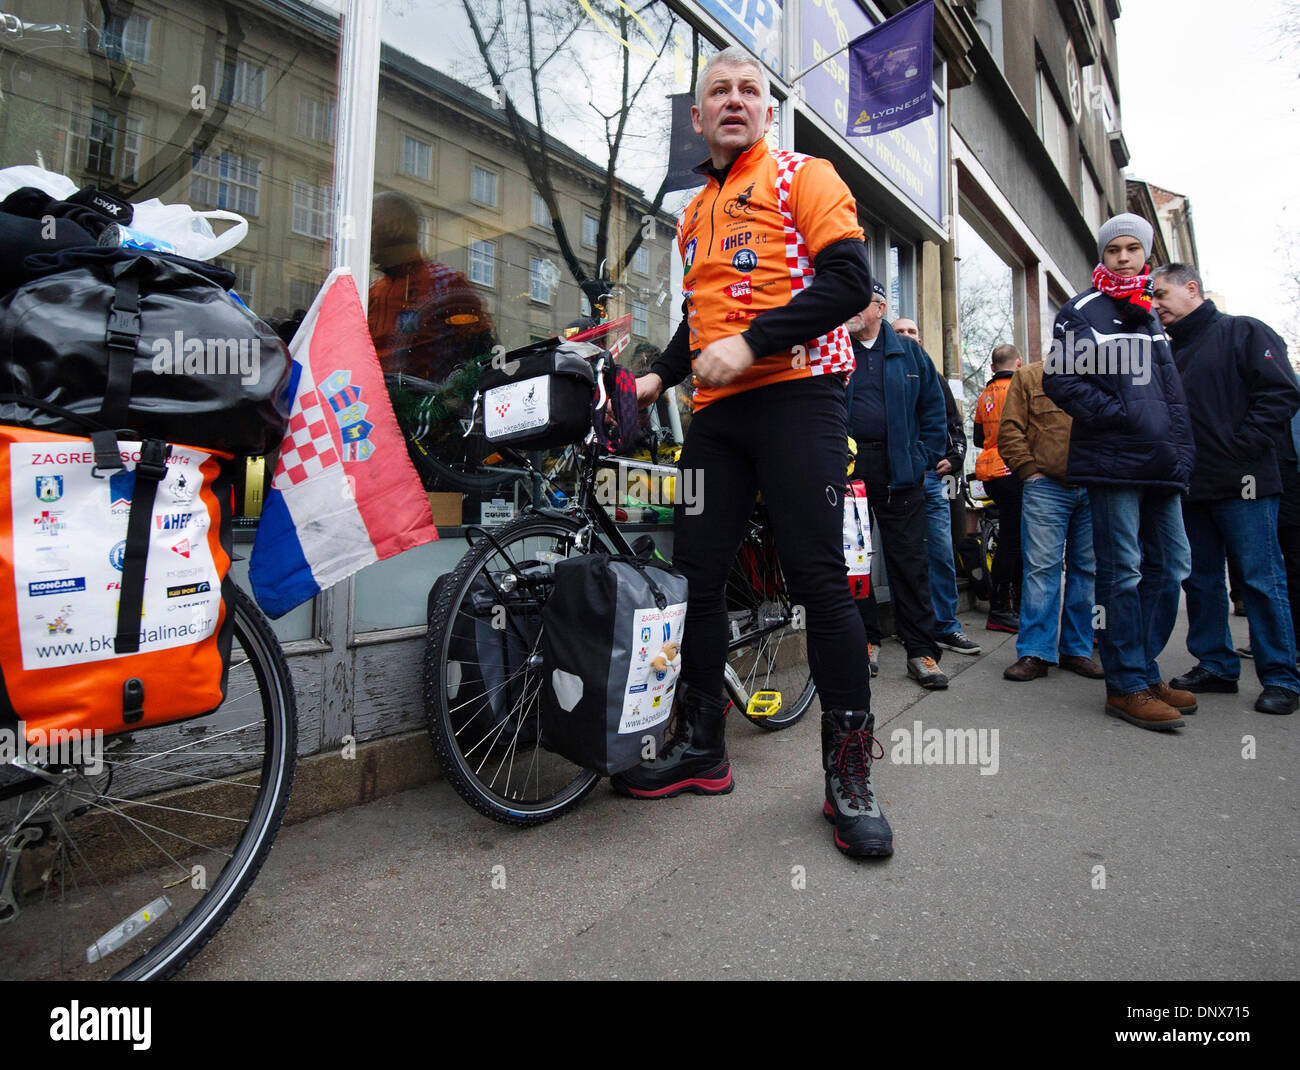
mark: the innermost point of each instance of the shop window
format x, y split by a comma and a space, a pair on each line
417, 158
540, 275
226, 180
245, 278
985, 311
483, 187
316, 118
124, 39
240, 82
541, 214
483, 262
312, 209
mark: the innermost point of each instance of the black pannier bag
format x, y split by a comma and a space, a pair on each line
141, 341
611, 653
540, 397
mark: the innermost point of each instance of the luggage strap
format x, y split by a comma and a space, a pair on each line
150, 470
122, 339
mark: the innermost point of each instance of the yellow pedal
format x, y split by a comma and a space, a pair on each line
763, 703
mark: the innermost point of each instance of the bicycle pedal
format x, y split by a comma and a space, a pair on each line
763, 704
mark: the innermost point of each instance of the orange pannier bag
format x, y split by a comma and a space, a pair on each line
113, 557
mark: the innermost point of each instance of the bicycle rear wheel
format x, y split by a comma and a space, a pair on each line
126, 872
764, 647
482, 675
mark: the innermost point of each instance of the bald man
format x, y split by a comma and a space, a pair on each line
939, 495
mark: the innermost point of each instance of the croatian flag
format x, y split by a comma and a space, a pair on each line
344, 494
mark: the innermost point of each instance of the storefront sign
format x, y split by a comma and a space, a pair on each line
756, 24
909, 155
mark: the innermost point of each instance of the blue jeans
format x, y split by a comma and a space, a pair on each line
938, 539
1246, 529
1142, 557
1055, 524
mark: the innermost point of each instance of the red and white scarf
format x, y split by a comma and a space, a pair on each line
1136, 289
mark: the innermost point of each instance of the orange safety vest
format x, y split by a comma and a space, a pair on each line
748, 246
988, 411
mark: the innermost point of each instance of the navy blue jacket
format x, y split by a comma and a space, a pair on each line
1241, 394
914, 409
1111, 369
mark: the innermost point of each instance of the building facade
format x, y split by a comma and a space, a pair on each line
537, 152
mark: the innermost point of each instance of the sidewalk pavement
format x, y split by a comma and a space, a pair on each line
993, 876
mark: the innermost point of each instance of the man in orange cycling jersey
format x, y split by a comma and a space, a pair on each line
773, 265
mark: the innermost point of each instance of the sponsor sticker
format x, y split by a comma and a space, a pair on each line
745, 260
67, 585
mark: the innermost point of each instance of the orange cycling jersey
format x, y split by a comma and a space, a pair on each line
748, 245
988, 412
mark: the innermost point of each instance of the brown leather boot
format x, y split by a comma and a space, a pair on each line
1182, 701
1086, 667
1143, 709
1027, 668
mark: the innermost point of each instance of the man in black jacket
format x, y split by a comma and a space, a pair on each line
1241, 395
941, 483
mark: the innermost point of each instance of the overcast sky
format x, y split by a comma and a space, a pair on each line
1210, 107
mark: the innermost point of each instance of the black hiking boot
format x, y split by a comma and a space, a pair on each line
694, 758
860, 828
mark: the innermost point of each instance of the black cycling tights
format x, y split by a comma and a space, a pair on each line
787, 440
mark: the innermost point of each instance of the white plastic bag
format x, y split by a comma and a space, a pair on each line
188, 231
58, 186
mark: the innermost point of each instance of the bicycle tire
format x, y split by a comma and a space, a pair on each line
453, 666
762, 621
194, 756
441, 475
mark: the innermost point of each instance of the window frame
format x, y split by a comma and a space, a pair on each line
471, 251
477, 169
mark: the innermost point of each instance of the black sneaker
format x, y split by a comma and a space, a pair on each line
1202, 681
1277, 700
958, 641
1002, 620
850, 805
695, 759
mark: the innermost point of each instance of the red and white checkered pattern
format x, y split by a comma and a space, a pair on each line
309, 447
832, 352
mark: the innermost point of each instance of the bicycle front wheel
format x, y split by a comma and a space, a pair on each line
124, 868
483, 675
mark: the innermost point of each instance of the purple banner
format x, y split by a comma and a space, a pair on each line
910, 157
890, 71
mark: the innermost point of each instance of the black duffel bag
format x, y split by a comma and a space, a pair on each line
141, 341
539, 397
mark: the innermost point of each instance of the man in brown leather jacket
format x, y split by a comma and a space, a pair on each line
1034, 440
